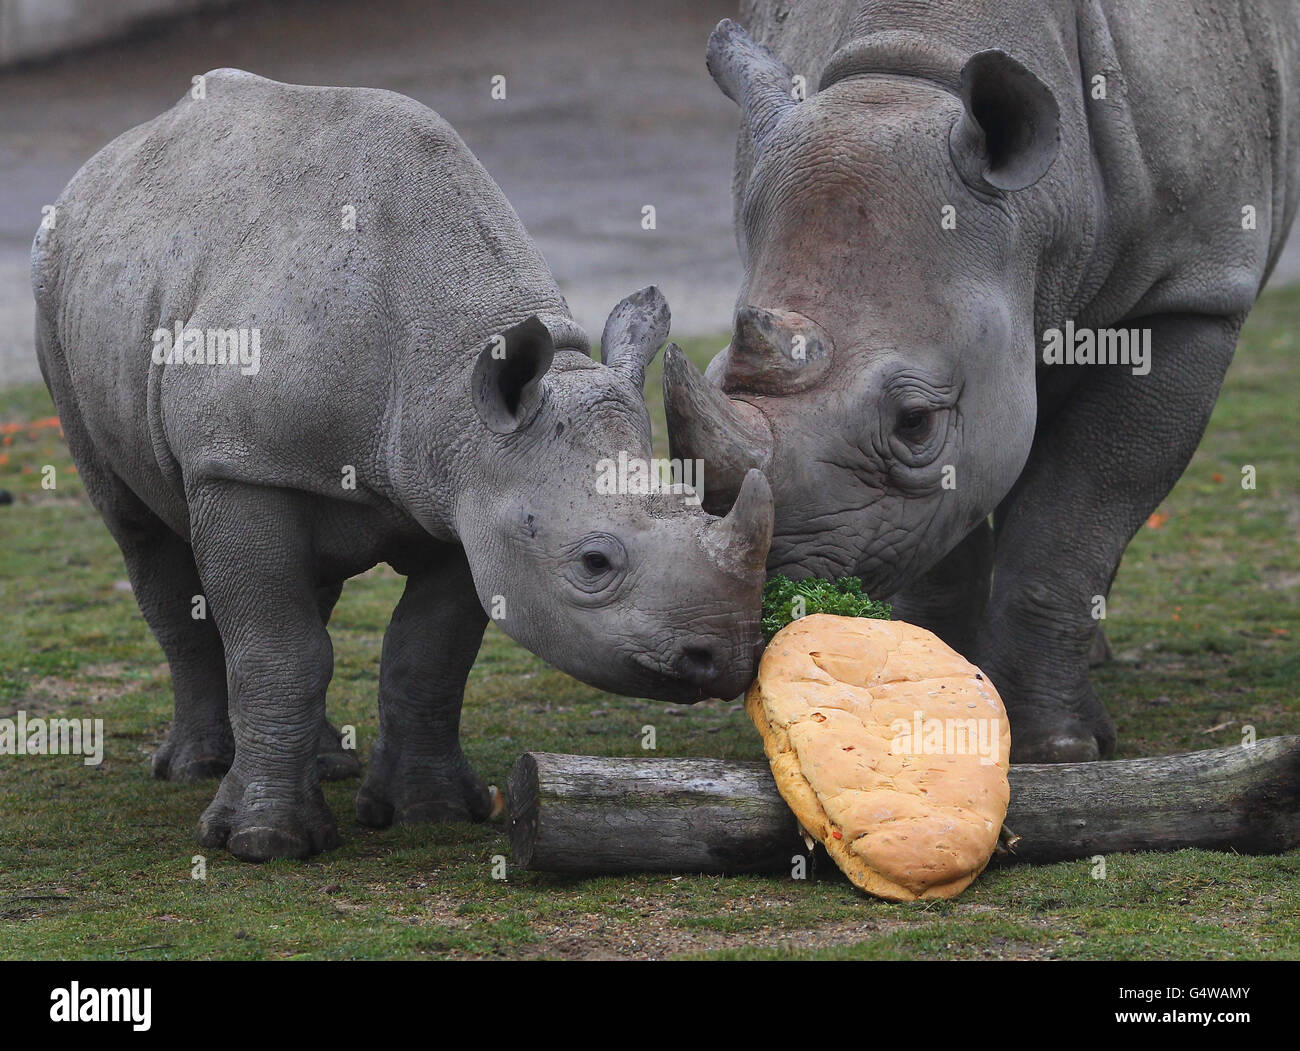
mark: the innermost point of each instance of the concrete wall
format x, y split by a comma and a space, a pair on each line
34, 29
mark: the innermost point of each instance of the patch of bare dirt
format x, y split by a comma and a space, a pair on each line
95, 684
583, 935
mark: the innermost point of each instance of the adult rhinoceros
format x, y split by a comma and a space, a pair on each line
977, 202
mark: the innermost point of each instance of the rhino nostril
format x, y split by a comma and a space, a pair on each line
699, 665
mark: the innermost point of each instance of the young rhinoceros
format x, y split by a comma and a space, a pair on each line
293, 332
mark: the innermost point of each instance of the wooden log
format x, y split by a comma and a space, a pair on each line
590, 815
585, 814
1235, 798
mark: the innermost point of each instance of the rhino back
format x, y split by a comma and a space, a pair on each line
227, 212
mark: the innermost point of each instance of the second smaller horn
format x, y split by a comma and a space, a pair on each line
636, 329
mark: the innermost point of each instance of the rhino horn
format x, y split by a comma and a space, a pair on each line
731, 437
739, 542
636, 329
752, 77
774, 352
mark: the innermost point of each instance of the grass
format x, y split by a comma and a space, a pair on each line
97, 861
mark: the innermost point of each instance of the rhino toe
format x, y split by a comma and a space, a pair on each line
269, 842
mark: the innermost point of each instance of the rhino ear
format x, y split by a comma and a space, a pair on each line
1011, 131
507, 381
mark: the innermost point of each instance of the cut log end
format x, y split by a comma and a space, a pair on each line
521, 791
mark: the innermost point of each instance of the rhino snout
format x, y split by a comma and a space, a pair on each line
715, 671
706, 667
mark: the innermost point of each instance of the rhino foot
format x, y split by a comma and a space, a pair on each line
186, 757
255, 822
421, 791
333, 761
1065, 738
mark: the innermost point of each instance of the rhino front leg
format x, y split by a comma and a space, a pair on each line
1098, 469
417, 771
949, 600
254, 554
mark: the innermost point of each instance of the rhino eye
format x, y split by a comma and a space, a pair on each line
594, 562
914, 425
598, 565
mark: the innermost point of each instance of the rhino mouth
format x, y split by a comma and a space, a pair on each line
698, 673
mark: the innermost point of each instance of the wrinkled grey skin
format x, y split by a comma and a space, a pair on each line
922, 344
475, 469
